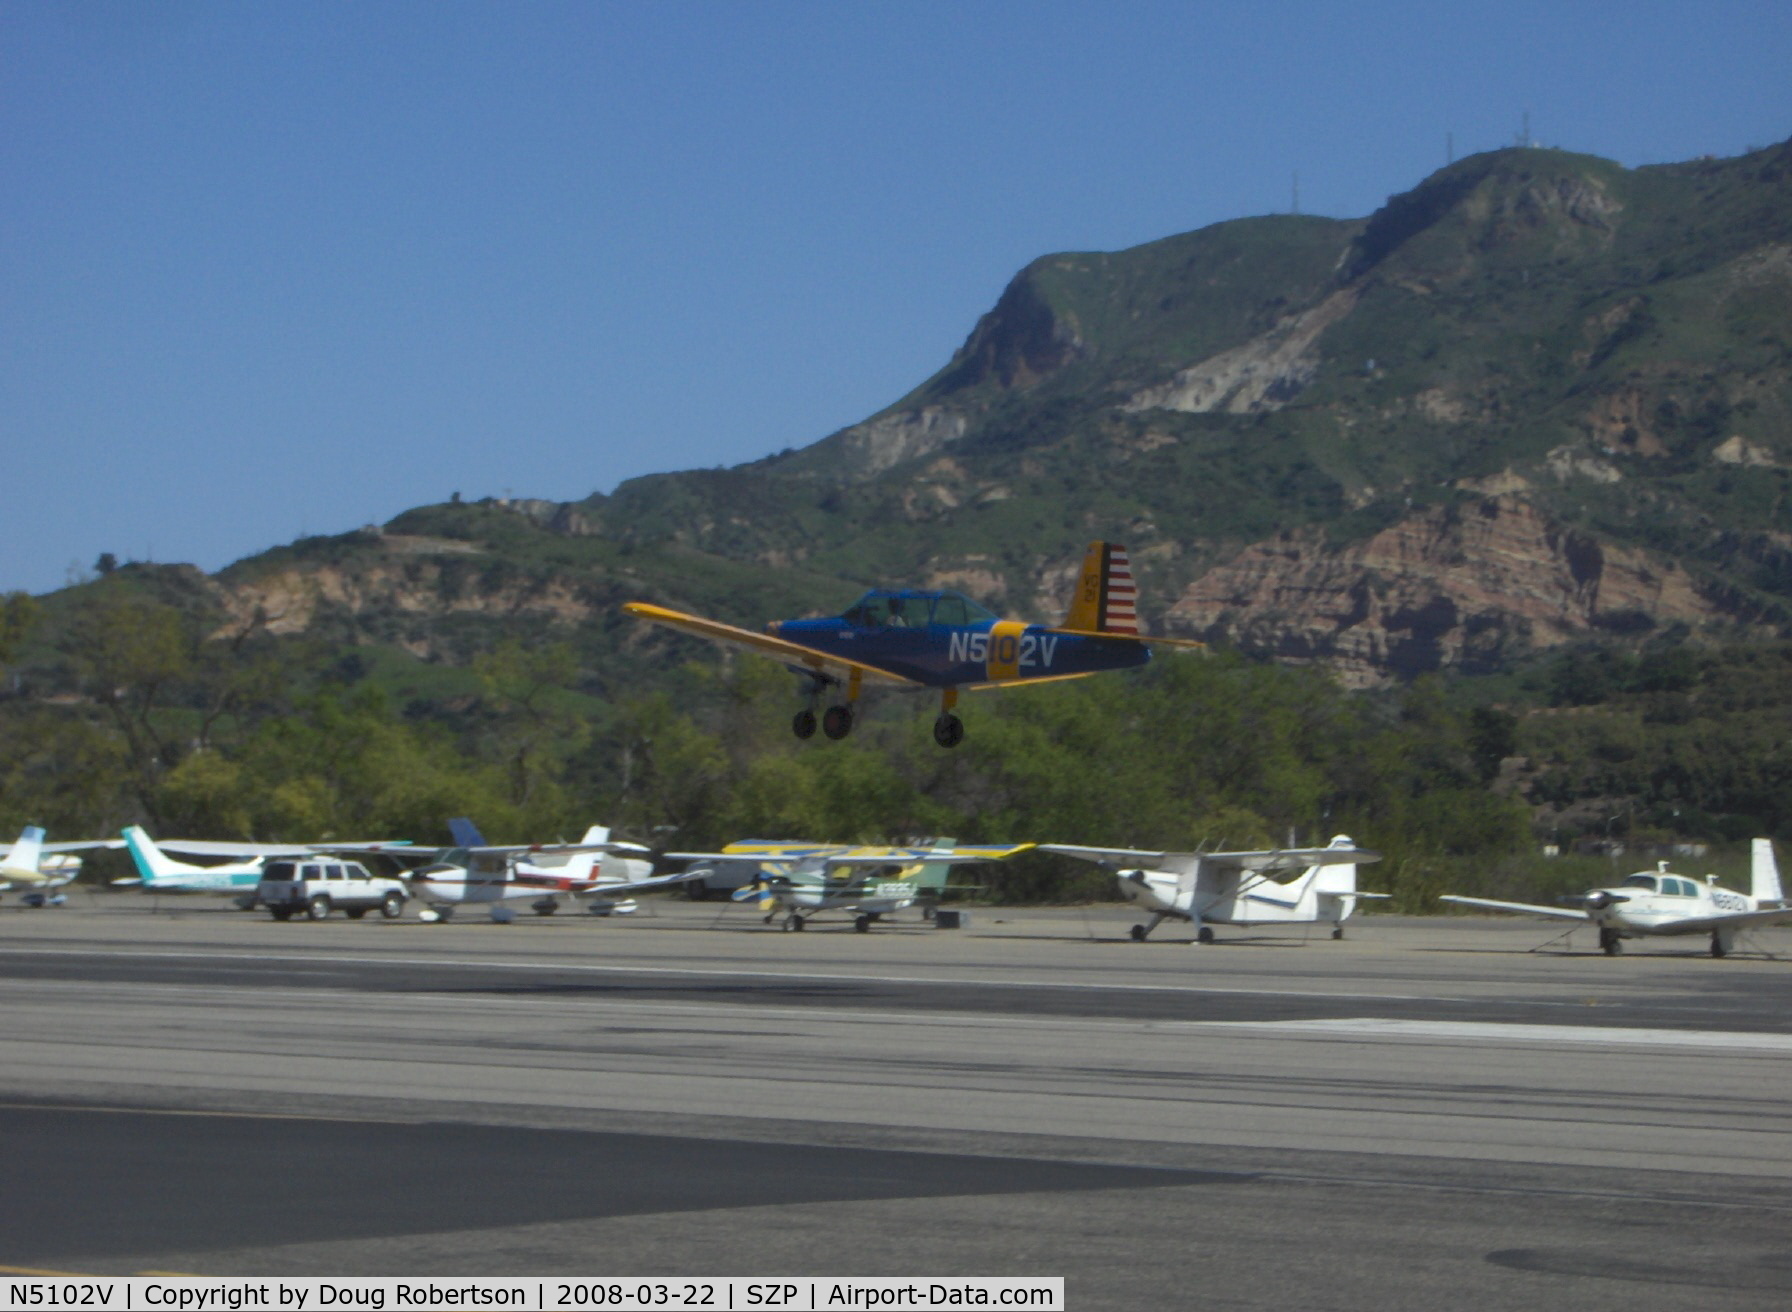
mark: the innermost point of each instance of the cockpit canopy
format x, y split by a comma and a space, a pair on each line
1673, 885
885, 609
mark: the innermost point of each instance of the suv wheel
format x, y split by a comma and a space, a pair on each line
393, 907
281, 913
318, 908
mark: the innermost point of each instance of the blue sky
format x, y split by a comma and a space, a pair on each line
276, 269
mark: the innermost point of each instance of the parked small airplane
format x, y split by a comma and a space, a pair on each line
1236, 888
44, 867
927, 639
1660, 902
868, 882
160, 873
474, 871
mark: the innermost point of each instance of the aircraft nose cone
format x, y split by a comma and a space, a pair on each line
1601, 900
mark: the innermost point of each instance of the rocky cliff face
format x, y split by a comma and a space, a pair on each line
1461, 586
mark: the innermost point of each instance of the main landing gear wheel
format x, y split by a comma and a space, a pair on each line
1138, 933
836, 721
1338, 932
862, 925
948, 730
804, 724
1204, 934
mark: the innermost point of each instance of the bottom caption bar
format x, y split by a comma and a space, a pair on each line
530, 1293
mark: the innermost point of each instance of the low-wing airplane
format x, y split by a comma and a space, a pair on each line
1236, 888
1659, 902
801, 881
43, 867
476, 872
927, 639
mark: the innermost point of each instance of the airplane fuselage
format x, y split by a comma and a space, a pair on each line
1263, 903
964, 655
1662, 903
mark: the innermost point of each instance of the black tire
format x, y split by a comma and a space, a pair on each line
393, 906
948, 730
1338, 932
280, 913
796, 923
1610, 943
1138, 933
1204, 934
355, 913
836, 721
318, 908
697, 890
862, 925
803, 726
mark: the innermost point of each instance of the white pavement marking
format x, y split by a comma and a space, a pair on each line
1501, 1032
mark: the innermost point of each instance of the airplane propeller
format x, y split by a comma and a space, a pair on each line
1600, 900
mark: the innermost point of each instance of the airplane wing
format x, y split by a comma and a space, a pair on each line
561, 849
1287, 858
1522, 908
641, 885
1107, 856
793, 654
1729, 920
218, 847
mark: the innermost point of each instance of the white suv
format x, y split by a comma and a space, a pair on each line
318, 886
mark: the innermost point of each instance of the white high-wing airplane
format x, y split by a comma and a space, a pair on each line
1236, 888
42, 867
802, 880
477, 872
1660, 902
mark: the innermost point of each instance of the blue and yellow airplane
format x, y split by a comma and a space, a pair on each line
944, 640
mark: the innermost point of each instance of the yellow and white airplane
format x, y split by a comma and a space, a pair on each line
43, 868
1236, 888
1659, 902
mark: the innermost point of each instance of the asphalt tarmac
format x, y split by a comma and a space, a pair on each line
1427, 1114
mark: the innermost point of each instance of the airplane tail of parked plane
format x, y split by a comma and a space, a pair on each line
1107, 599
22, 861
1764, 874
153, 864
466, 833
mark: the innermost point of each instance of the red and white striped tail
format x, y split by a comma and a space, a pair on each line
1107, 600
1120, 598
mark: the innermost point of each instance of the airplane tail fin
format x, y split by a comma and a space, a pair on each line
152, 863
28, 851
595, 834
1107, 600
1764, 873
465, 833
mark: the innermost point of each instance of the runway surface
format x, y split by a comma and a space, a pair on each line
1428, 1114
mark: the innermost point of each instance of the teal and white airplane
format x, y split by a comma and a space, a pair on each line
1658, 902
160, 873
43, 868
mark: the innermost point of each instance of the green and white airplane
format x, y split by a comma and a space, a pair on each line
802, 880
